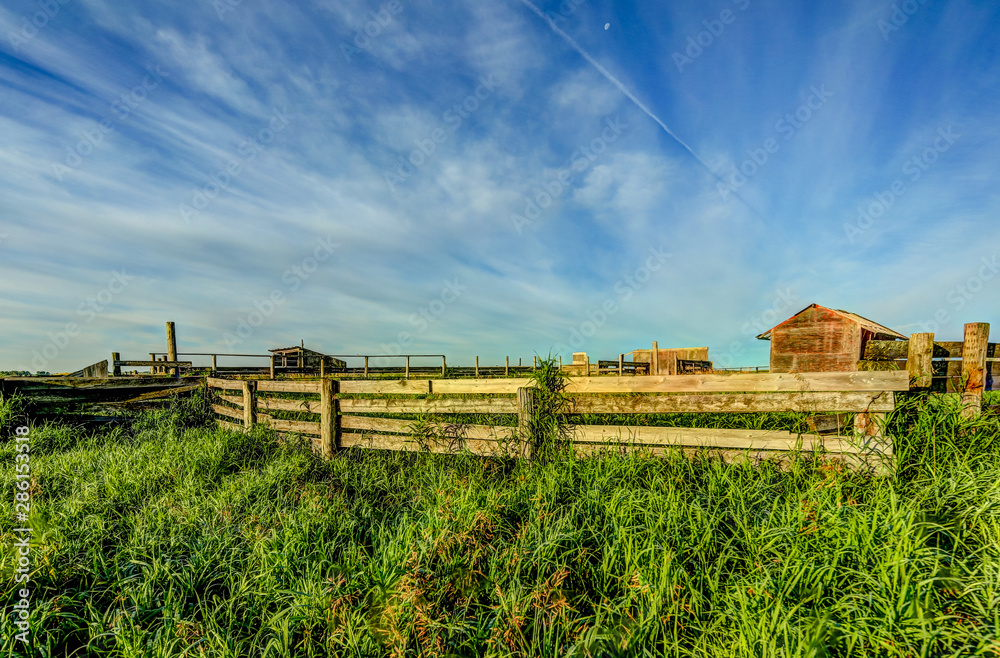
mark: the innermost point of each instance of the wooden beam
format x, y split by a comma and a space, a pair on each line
489, 406
733, 403
703, 437
328, 417
977, 335
477, 367
227, 411
116, 370
654, 358
249, 408
411, 443
152, 364
215, 382
214, 366
171, 347
506, 368
301, 406
525, 410
919, 352
272, 365
455, 386
414, 386
288, 387
750, 382
300, 426
897, 349
621, 364
231, 426
407, 375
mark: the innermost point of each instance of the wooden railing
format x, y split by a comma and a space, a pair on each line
869, 395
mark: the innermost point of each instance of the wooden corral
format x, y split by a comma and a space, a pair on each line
87, 398
820, 339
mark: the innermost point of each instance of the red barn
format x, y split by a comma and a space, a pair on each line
820, 339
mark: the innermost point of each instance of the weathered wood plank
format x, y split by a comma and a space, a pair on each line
918, 360
128, 381
232, 384
227, 411
232, 426
754, 382
411, 444
150, 364
454, 386
288, 386
974, 367
375, 424
487, 406
734, 403
278, 404
714, 438
415, 386
233, 399
300, 426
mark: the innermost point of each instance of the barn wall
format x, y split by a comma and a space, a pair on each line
667, 357
815, 341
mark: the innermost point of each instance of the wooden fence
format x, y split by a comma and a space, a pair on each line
347, 419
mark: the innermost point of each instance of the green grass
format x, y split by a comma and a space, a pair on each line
170, 538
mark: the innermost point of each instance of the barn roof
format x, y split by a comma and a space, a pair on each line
864, 322
295, 348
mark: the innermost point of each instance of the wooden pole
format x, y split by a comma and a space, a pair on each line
534, 362
621, 364
477, 367
586, 367
443, 365
272, 366
214, 366
525, 408
506, 368
153, 369
116, 370
654, 368
977, 336
407, 366
366, 366
249, 404
328, 417
171, 347
322, 367
560, 363
918, 360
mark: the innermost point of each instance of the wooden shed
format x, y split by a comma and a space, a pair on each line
820, 339
302, 358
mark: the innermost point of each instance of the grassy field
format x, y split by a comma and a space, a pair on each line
169, 537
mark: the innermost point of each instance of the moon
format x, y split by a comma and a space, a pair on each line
607, 26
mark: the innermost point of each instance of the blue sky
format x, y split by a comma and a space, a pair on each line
490, 178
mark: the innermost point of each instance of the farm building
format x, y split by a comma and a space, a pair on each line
302, 358
820, 339
674, 361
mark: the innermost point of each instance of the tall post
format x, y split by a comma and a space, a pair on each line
621, 364
477, 367
654, 367
329, 420
525, 408
249, 404
322, 367
366, 366
586, 366
506, 368
214, 365
116, 370
534, 362
444, 365
171, 348
918, 360
272, 365
152, 369
407, 366
560, 363
977, 336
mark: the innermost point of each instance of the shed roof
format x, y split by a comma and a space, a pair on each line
295, 348
854, 317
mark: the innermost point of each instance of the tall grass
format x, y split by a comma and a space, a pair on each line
165, 538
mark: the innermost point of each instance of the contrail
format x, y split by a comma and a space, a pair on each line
628, 94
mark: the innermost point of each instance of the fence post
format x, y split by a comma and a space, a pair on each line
586, 367
407, 366
918, 360
477, 367
329, 421
621, 364
366, 366
977, 335
214, 367
506, 368
654, 358
116, 370
272, 366
249, 404
172, 349
525, 408
443, 365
